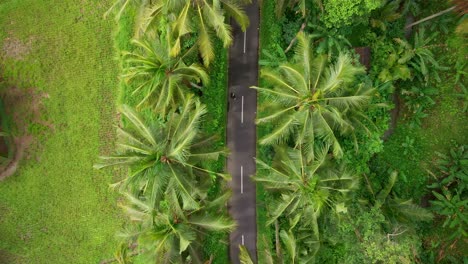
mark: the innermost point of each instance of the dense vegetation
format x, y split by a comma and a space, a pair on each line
331, 190
171, 137
362, 156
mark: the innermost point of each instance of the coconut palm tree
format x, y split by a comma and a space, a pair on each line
304, 191
162, 81
306, 188
244, 256
210, 20
205, 18
171, 234
164, 157
311, 98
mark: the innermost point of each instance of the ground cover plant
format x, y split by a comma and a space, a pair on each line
58, 77
391, 216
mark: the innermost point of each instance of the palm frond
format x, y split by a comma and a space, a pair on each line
211, 223
235, 10
289, 242
244, 256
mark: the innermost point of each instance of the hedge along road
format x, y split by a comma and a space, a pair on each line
241, 133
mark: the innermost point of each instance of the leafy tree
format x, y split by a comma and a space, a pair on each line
340, 13
161, 80
388, 12
305, 190
310, 98
171, 234
329, 40
164, 157
202, 17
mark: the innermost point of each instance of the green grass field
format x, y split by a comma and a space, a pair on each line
57, 208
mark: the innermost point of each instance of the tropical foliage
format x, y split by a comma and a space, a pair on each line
378, 212
304, 190
282, 5
171, 234
181, 18
162, 157
312, 99
419, 57
161, 80
450, 191
176, 193
342, 13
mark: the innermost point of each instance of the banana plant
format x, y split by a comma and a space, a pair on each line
419, 57
450, 190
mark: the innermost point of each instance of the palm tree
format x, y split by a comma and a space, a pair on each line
171, 234
202, 17
305, 190
210, 20
310, 99
164, 157
161, 80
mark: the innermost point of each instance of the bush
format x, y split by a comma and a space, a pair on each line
339, 13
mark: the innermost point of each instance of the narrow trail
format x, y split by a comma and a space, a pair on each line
241, 133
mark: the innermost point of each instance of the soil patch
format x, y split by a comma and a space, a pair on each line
24, 108
14, 48
7, 258
3, 144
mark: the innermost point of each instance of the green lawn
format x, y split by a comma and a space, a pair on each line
57, 208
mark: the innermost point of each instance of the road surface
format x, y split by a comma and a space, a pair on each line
241, 133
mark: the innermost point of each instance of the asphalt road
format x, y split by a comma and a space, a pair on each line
241, 133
